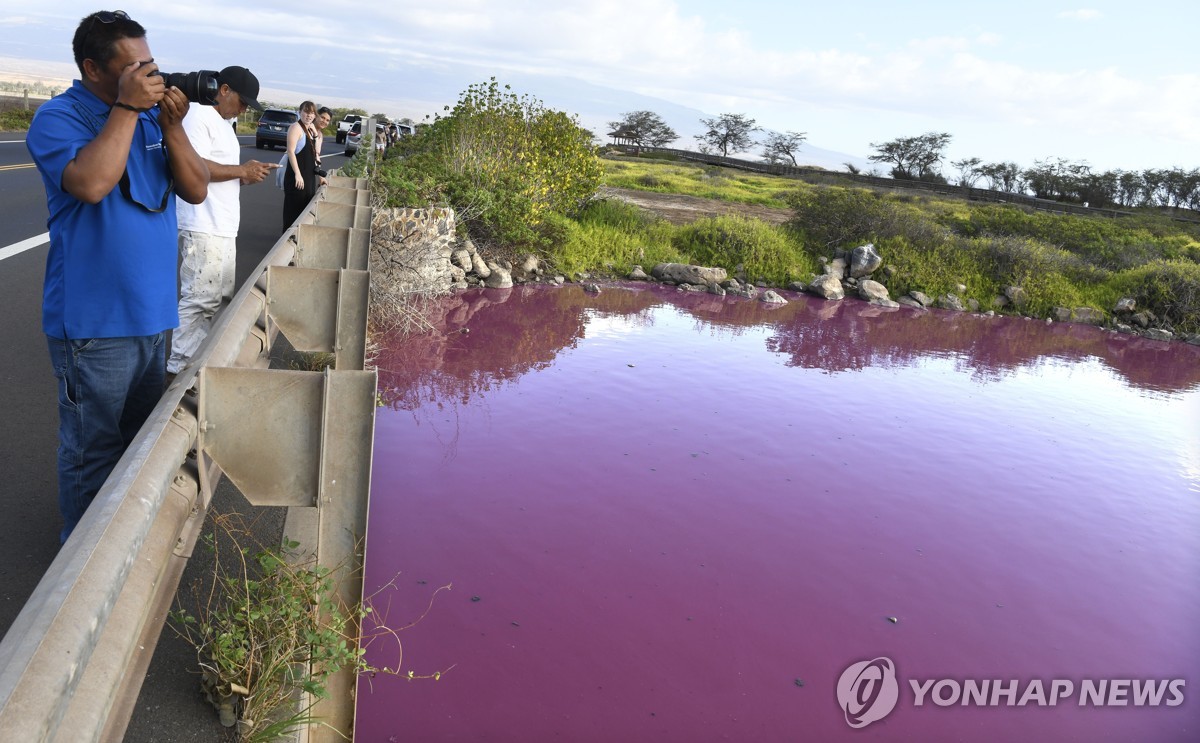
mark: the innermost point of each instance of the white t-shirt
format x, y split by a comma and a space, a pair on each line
213, 139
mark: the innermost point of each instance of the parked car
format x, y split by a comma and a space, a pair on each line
272, 128
345, 125
353, 137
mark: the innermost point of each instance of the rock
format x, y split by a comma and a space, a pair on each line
559, 279
1000, 301
771, 297
1143, 319
797, 286
890, 271
1060, 314
828, 286
591, 288
716, 289
498, 277
682, 273
907, 301
951, 302
960, 288
457, 275
1193, 339
469, 246
461, 259
873, 291
527, 269
836, 267
731, 284
479, 266
864, 261
638, 274
1087, 316
1016, 295
924, 299
1124, 306
690, 288
1121, 327
850, 282
973, 304
748, 291
1158, 334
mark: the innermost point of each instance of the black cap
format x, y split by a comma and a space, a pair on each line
243, 82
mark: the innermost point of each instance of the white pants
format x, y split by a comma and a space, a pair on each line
206, 276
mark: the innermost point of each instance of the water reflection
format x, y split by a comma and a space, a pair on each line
477, 345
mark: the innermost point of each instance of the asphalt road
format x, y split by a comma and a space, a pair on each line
169, 709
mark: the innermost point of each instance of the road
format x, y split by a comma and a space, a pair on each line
28, 403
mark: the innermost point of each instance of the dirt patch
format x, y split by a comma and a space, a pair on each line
679, 209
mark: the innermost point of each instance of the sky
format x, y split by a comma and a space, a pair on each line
1112, 84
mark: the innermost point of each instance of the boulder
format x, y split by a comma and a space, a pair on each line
771, 297
907, 301
479, 266
1016, 295
951, 302
716, 289
1060, 314
797, 286
682, 273
1158, 334
864, 260
1125, 306
837, 268
873, 291
828, 286
461, 259
1000, 301
591, 288
638, 274
528, 268
1143, 319
922, 298
498, 276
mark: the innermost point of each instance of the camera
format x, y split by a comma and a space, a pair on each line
199, 87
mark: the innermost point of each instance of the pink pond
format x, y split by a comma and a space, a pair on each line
679, 517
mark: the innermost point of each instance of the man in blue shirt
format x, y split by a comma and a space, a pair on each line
111, 151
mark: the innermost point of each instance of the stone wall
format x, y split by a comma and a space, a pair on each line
411, 249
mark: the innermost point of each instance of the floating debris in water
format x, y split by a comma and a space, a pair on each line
893, 620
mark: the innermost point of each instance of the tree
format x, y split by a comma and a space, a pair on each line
913, 158
643, 128
727, 133
968, 170
780, 148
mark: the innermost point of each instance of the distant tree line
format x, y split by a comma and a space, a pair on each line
921, 157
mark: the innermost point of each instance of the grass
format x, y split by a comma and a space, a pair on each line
706, 181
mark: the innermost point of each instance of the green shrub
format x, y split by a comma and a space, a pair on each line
836, 217
764, 250
1169, 289
503, 162
15, 119
611, 234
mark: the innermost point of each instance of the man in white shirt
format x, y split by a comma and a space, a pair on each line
207, 231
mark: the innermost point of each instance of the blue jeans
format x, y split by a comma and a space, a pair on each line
107, 388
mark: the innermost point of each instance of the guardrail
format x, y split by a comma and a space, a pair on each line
968, 192
73, 661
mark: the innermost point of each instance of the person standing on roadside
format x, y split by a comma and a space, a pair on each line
324, 116
300, 181
111, 151
208, 231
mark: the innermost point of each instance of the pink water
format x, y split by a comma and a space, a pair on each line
661, 513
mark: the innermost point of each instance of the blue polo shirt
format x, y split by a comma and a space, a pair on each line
110, 272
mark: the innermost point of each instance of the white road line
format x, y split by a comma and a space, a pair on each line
33, 242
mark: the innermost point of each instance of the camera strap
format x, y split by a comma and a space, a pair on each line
97, 124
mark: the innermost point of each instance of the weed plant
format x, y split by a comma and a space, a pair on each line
269, 631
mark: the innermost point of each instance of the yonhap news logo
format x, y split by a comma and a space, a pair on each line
868, 691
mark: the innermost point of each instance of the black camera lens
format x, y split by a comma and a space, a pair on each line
199, 87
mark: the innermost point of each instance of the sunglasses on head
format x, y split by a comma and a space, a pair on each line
107, 16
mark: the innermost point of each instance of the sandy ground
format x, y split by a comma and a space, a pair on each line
678, 209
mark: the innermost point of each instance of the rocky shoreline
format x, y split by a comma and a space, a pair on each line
417, 251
